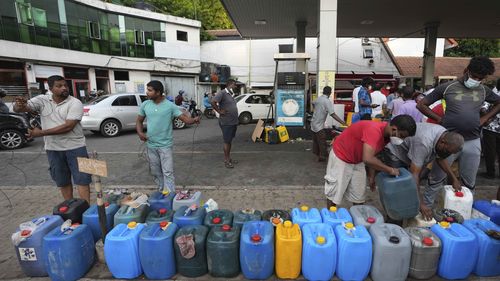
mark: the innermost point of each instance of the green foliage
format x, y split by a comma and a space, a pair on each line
211, 13
475, 47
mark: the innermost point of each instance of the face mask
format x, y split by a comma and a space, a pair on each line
396, 141
471, 83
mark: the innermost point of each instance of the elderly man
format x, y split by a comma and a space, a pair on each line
431, 142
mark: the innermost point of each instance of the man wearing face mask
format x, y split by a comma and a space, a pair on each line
464, 98
431, 142
356, 147
223, 102
60, 114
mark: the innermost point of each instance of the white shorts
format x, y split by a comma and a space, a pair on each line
345, 179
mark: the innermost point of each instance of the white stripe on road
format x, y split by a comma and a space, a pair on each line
175, 152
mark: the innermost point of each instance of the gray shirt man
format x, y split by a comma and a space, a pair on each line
53, 114
421, 148
226, 102
462, 106
323, 107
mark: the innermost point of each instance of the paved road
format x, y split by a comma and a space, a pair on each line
198, 160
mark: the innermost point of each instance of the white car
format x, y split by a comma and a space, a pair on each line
253, 106
110, 114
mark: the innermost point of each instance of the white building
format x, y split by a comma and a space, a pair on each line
95, 46
252, 62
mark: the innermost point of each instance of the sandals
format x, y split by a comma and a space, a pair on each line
230, 164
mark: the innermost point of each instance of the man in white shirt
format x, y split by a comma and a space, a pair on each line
378, 99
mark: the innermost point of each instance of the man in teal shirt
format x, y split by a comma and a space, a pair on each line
160, 113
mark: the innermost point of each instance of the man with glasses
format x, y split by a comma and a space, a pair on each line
431, 142
464, 98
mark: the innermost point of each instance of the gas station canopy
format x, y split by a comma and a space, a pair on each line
364, 18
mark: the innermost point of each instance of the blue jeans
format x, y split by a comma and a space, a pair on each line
161, 166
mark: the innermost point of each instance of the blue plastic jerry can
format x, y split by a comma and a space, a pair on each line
335, 216
319, 251
257, 250
354, 251
91, 218
398, 195
305, 215
488, 261
156, 250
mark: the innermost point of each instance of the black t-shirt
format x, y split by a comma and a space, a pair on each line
462, 106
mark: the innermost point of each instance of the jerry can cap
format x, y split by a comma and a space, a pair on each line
333, 209
256, 238
132, 225
349, 225
164, 224
320, 240
450, 219
165, 192
25, 233
63, 209
216, 220
226, 227
162, 211
287, 224
394, 239
304, 208
427, 241
459, 194
106, 204
371, 220
444, 224
276, 220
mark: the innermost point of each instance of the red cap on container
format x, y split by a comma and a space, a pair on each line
106, 204
163, 224
427, 241
371, 220
25, 232
450, 219
459, 194
256, 238
216, 220
162, 211
226, 227
63, 209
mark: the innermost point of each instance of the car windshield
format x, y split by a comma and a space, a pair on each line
238, 98
97, 100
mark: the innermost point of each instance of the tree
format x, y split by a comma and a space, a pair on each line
475, 47
211, 13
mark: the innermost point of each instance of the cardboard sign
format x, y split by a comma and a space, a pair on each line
257, 132
92, 166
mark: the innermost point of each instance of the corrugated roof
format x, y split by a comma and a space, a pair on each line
224, 32
444, 66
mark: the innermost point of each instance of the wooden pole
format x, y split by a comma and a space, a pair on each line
101, 209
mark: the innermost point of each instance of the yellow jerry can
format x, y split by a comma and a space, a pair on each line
282, 133
288, 250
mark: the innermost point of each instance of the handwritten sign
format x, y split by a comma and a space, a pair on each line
92, 166
326, 78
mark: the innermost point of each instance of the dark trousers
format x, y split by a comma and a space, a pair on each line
319, 144
491, 141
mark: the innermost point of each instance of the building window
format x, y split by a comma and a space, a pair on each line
93, 30
139, 37
24, 15
121, 75
182, 36
368, 53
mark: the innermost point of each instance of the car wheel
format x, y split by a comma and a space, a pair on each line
110, 128
245, 117
178, 123
11, 139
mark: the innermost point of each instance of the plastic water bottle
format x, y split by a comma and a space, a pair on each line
211, 205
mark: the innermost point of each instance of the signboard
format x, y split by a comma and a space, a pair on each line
325, 78
92, 166
290, 107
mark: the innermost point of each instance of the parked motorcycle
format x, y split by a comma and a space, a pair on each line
190, 108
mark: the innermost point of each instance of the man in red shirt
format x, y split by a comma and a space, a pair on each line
356, 147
